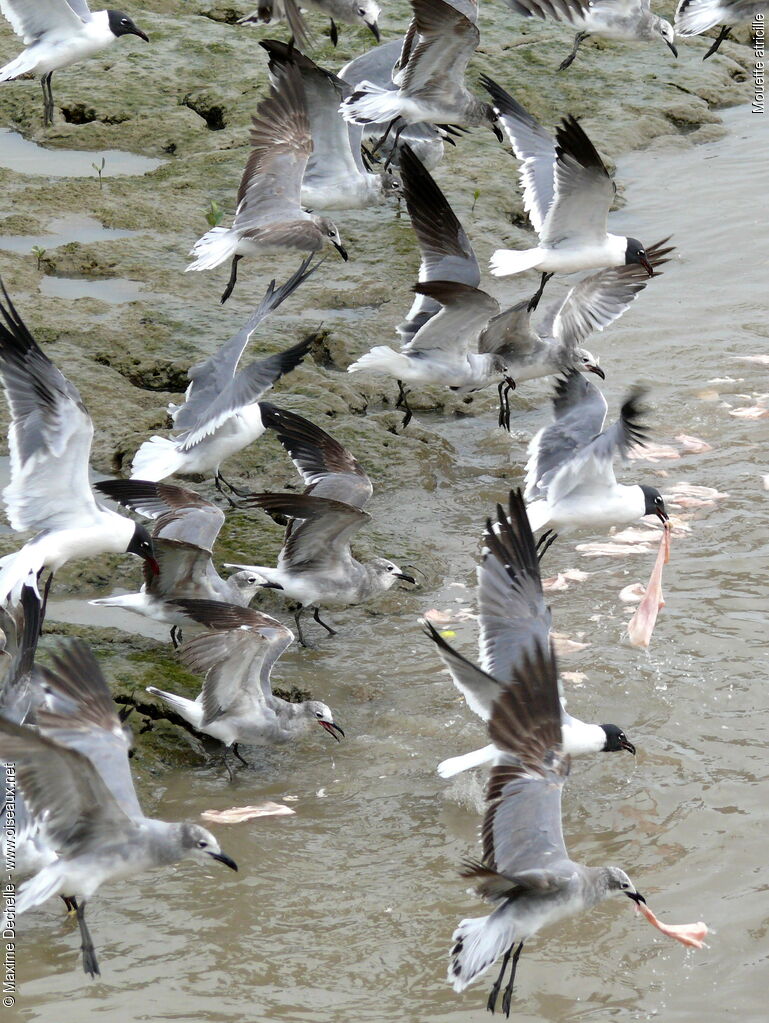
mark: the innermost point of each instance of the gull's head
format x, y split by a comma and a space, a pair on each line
322, 714
141, 546
636, 253
121, 25
329, 230
668, 33
247, 584
369, 12
654, 504
201, 845
588, 363
618, 881
616, 740
388, 573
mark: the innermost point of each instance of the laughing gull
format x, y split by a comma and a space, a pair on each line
627, 20
525, 870
268, 217
553, 346
426, 141
237, 704
570, 479
513, 620
185, 531
316, 566
431, 77
696, 16
352, 12
50, 442
567, 193
58, 33
220, 413
79, 784
335, 177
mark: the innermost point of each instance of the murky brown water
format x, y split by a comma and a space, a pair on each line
344, 912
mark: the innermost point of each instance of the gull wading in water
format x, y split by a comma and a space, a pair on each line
50, 492
269, 217
513, 620
570, 481
236, 656
58, 33
567, 193
316, 567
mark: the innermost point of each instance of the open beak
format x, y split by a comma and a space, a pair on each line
138, 32
662, 516
153, 565
636, 897
626, 744
342, 251
597, 370
673, 49
225, 860
498, 132
372, 25
332, 729
646, 265
405, 578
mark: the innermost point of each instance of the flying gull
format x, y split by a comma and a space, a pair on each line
351, 12
58, 33
50, 442
316, 567
570, 481
269, 217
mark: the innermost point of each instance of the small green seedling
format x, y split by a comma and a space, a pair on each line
214, 214
38, 251
99, 168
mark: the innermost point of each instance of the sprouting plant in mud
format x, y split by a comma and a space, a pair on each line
214, 214
38, 252
99, 168
476, 197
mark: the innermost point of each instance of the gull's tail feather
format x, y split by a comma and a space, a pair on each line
157, 458
40, 887
216, 246
17, 569
18, 66
371, 103
130, 601
382, 360
188, 709
478, 942
455, 765
510, 261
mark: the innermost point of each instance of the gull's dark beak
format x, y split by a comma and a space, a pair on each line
405, 578
595, 368
673, 49
374, 28
662, 515
153, 565
138, 32
646, 265
332, 728
628, 745
225, 860
498, 132
341, 250
636, 897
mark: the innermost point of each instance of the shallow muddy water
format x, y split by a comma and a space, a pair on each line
344, 911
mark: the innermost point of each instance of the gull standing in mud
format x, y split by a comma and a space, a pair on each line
269, 217
58, 33
431, 77
185, 531
513, 620
236, 656
525, 870
220, 413
50, 492
335, 176
316, 566
570, 481
567, 193
627, 20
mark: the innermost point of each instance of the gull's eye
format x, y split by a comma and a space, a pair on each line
202, 844
318, 714
125, 22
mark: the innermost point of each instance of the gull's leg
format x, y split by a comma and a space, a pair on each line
389, 159
402, 402
46, 591
316, 616
297, 616
378, 145
90, 964
506, 385
333, 34
70, 902
579, 38
507, 996
544, 543
176, 636
236, 751
494, 993
534, 300
220, 482
723, 34
233, 278
45, 81
226, 763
